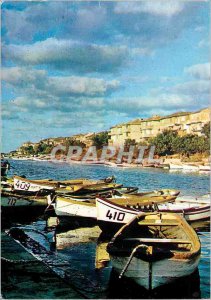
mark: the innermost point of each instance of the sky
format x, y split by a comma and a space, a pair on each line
78, 67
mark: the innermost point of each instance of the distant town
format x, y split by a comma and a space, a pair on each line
181, 132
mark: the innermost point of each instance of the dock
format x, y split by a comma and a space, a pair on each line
25, 277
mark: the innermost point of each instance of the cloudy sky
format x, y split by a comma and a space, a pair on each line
74, 67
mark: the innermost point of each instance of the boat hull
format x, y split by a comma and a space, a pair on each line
151, 275
112, 216
29, 188
75, 209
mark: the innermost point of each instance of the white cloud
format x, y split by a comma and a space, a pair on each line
199, 71
200, 28
68, 54
37, 82
195, 87
204, 43
157, 8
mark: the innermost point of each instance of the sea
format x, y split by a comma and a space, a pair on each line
77, 253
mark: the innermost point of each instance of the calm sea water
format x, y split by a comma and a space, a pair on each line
81, 252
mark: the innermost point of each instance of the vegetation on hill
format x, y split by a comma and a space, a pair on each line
169, 142
166, 143
100, 139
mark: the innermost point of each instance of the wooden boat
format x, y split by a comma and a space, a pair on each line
86, 208
163, 192
127, 189
26, 186
64, 183
67, 206
15, 200
29, 187
77, 181
87, 189
19, 207
111, 216
155, 249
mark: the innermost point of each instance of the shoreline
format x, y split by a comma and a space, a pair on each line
171, 164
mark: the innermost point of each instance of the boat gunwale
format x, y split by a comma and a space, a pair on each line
196, 245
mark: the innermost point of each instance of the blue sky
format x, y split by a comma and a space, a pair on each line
76, 67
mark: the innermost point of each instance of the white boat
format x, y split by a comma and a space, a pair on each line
66, 206
155, 249
176, 166
29, 186
112, 215
86, 208
204, 168
190, 167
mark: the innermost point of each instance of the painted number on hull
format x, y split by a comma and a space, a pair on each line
22, 185
12, 202
115, 216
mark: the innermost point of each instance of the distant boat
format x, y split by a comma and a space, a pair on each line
190, 167
176, 166
155, 249
204, 168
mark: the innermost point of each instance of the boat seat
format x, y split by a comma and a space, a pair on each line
159, 224
149, 240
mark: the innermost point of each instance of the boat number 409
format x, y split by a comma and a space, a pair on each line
22, 185
119, 216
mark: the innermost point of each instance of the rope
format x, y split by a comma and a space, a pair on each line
130, 259
20, 261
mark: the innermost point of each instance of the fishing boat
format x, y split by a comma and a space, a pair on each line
127, 189
12, 200
111, 215
86, 208
29, 187
19, 207
162, 192
155, 249
77, 181
87, 189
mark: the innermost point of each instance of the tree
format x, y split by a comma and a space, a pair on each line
206, 130
129, 142
100, 139
29, 150
164, 142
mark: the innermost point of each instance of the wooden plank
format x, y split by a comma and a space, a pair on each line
149, 240
159, 224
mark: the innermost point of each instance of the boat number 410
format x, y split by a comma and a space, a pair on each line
119, 216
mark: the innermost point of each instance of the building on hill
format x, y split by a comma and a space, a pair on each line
84, 138
143, 129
